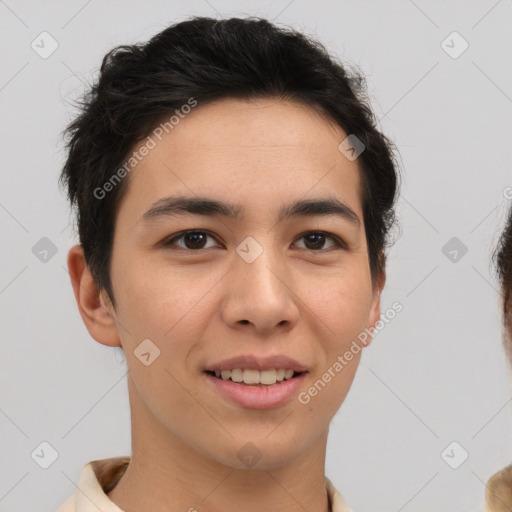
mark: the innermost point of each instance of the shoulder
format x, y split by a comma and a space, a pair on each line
97, 478
498, 493
336, 501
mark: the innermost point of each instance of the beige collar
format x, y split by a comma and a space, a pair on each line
498, 492
101, 476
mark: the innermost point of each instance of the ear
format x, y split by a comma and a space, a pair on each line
374, 315
94, 305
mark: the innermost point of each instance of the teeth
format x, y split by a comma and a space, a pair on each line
251, 377
266, 377
237, 375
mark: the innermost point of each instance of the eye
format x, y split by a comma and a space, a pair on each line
316, 239
193, 240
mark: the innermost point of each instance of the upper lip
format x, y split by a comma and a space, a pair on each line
251, 362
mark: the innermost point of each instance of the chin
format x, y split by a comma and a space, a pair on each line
263, 453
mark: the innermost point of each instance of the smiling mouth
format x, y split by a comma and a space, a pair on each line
255, 378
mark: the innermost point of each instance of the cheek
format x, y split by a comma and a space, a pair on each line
171, 308
321, 400
156, 296
343, 305
345, 309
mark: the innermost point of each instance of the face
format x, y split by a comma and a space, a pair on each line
205, 287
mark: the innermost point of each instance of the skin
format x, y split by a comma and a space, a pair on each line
200, 306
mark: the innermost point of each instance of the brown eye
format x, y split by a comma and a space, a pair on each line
195, 240
315, 240
192, 240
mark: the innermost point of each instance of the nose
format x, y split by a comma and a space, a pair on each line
260, 296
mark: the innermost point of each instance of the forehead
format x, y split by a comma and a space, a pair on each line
256, 151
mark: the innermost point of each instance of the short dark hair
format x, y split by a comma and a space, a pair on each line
208, 59
502, 258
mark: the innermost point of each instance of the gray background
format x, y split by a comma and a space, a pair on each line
436, 374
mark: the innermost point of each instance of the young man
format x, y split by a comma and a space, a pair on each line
499, 488
234, 202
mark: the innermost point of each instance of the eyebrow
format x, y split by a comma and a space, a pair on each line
181, 205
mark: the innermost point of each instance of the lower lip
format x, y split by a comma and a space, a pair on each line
258, 397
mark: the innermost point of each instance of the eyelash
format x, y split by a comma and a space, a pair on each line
170, 241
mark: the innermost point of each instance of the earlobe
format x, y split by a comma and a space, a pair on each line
98, 318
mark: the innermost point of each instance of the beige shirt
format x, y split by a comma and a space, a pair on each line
498, 492
101, 476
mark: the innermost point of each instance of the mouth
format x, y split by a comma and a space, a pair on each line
256, 389
256, 378
256, 381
